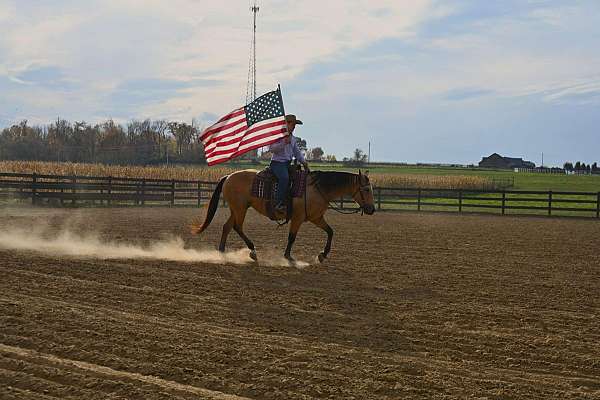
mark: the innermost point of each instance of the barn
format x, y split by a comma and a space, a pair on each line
498, 161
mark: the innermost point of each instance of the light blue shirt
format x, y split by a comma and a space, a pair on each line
284, 151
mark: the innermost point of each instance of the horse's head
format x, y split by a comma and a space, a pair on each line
364, 194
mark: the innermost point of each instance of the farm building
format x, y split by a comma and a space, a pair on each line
497, 161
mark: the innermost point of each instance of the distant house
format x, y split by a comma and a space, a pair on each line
497, 161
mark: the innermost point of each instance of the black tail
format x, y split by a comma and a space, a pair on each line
212, 208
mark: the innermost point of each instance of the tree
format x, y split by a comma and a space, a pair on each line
594, 167
160, 130
315, 154
183, 135
359, 156
301, 143
568, 166
330, 158
578, 166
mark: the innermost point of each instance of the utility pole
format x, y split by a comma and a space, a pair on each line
369, 156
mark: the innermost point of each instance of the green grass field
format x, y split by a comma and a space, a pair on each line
522, 180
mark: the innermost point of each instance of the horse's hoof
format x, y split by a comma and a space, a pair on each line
290, 259
253, 255
322, 257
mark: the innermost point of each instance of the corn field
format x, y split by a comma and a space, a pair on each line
205, 173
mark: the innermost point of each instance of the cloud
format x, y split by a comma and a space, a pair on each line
371, 65
466, 93
7, 11
581, 93
135, 94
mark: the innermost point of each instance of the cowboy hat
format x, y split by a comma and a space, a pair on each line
292, 118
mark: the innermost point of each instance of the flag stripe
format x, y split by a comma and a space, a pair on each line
258, 136
227, 157
242, 134
231, 115
255, 125
278, 132
235, 132
225, 126
237, 136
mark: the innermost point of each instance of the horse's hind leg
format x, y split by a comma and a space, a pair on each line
226, 229
321, 223
238, 227
294, 228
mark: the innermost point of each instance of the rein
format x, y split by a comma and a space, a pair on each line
340, 209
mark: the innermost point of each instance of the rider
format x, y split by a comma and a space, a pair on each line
283, 150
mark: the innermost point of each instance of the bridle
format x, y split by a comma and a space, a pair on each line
360, 190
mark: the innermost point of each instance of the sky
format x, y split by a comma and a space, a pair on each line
421, 80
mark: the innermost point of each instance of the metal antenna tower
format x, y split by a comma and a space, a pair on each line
251, 86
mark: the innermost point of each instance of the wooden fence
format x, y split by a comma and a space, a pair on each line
110, 191
73, 190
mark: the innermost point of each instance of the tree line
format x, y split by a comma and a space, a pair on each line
136, 142
581, 167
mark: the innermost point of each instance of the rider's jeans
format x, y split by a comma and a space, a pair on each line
280, 169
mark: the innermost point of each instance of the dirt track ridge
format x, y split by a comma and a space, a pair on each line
99, 369
408, 306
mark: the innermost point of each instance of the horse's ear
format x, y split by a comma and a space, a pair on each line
367, 173
359, 173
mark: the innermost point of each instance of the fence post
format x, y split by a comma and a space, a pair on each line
33, 188
74, 191
172, 192
419, 200
460, 200
342, 202
378, 198
598, 206
199, 194
109, 191
503, 202
144, 192
549, 202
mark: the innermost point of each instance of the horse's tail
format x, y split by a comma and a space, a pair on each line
212, 208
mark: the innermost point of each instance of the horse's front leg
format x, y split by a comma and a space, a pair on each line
321, 223
294, 228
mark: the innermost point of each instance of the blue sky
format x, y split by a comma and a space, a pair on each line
423, 80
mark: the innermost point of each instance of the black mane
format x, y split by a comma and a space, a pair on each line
331, 181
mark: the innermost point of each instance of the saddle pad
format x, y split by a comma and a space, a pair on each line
299, 183
265, 184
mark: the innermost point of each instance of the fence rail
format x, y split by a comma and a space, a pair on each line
111, 191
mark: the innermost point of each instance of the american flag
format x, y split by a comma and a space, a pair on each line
258, 124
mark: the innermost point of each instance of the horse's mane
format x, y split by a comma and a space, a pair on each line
331, 181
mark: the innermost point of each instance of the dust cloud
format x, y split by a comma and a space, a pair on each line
68, 243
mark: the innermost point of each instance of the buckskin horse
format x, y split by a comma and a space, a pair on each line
322, 187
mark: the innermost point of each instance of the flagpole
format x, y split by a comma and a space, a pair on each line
282, 105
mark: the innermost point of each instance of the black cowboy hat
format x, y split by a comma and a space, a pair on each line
292, 118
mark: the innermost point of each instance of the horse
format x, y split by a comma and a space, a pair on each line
322, 187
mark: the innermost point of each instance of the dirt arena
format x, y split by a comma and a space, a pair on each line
408, 306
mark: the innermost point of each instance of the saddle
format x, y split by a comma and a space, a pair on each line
264, 186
